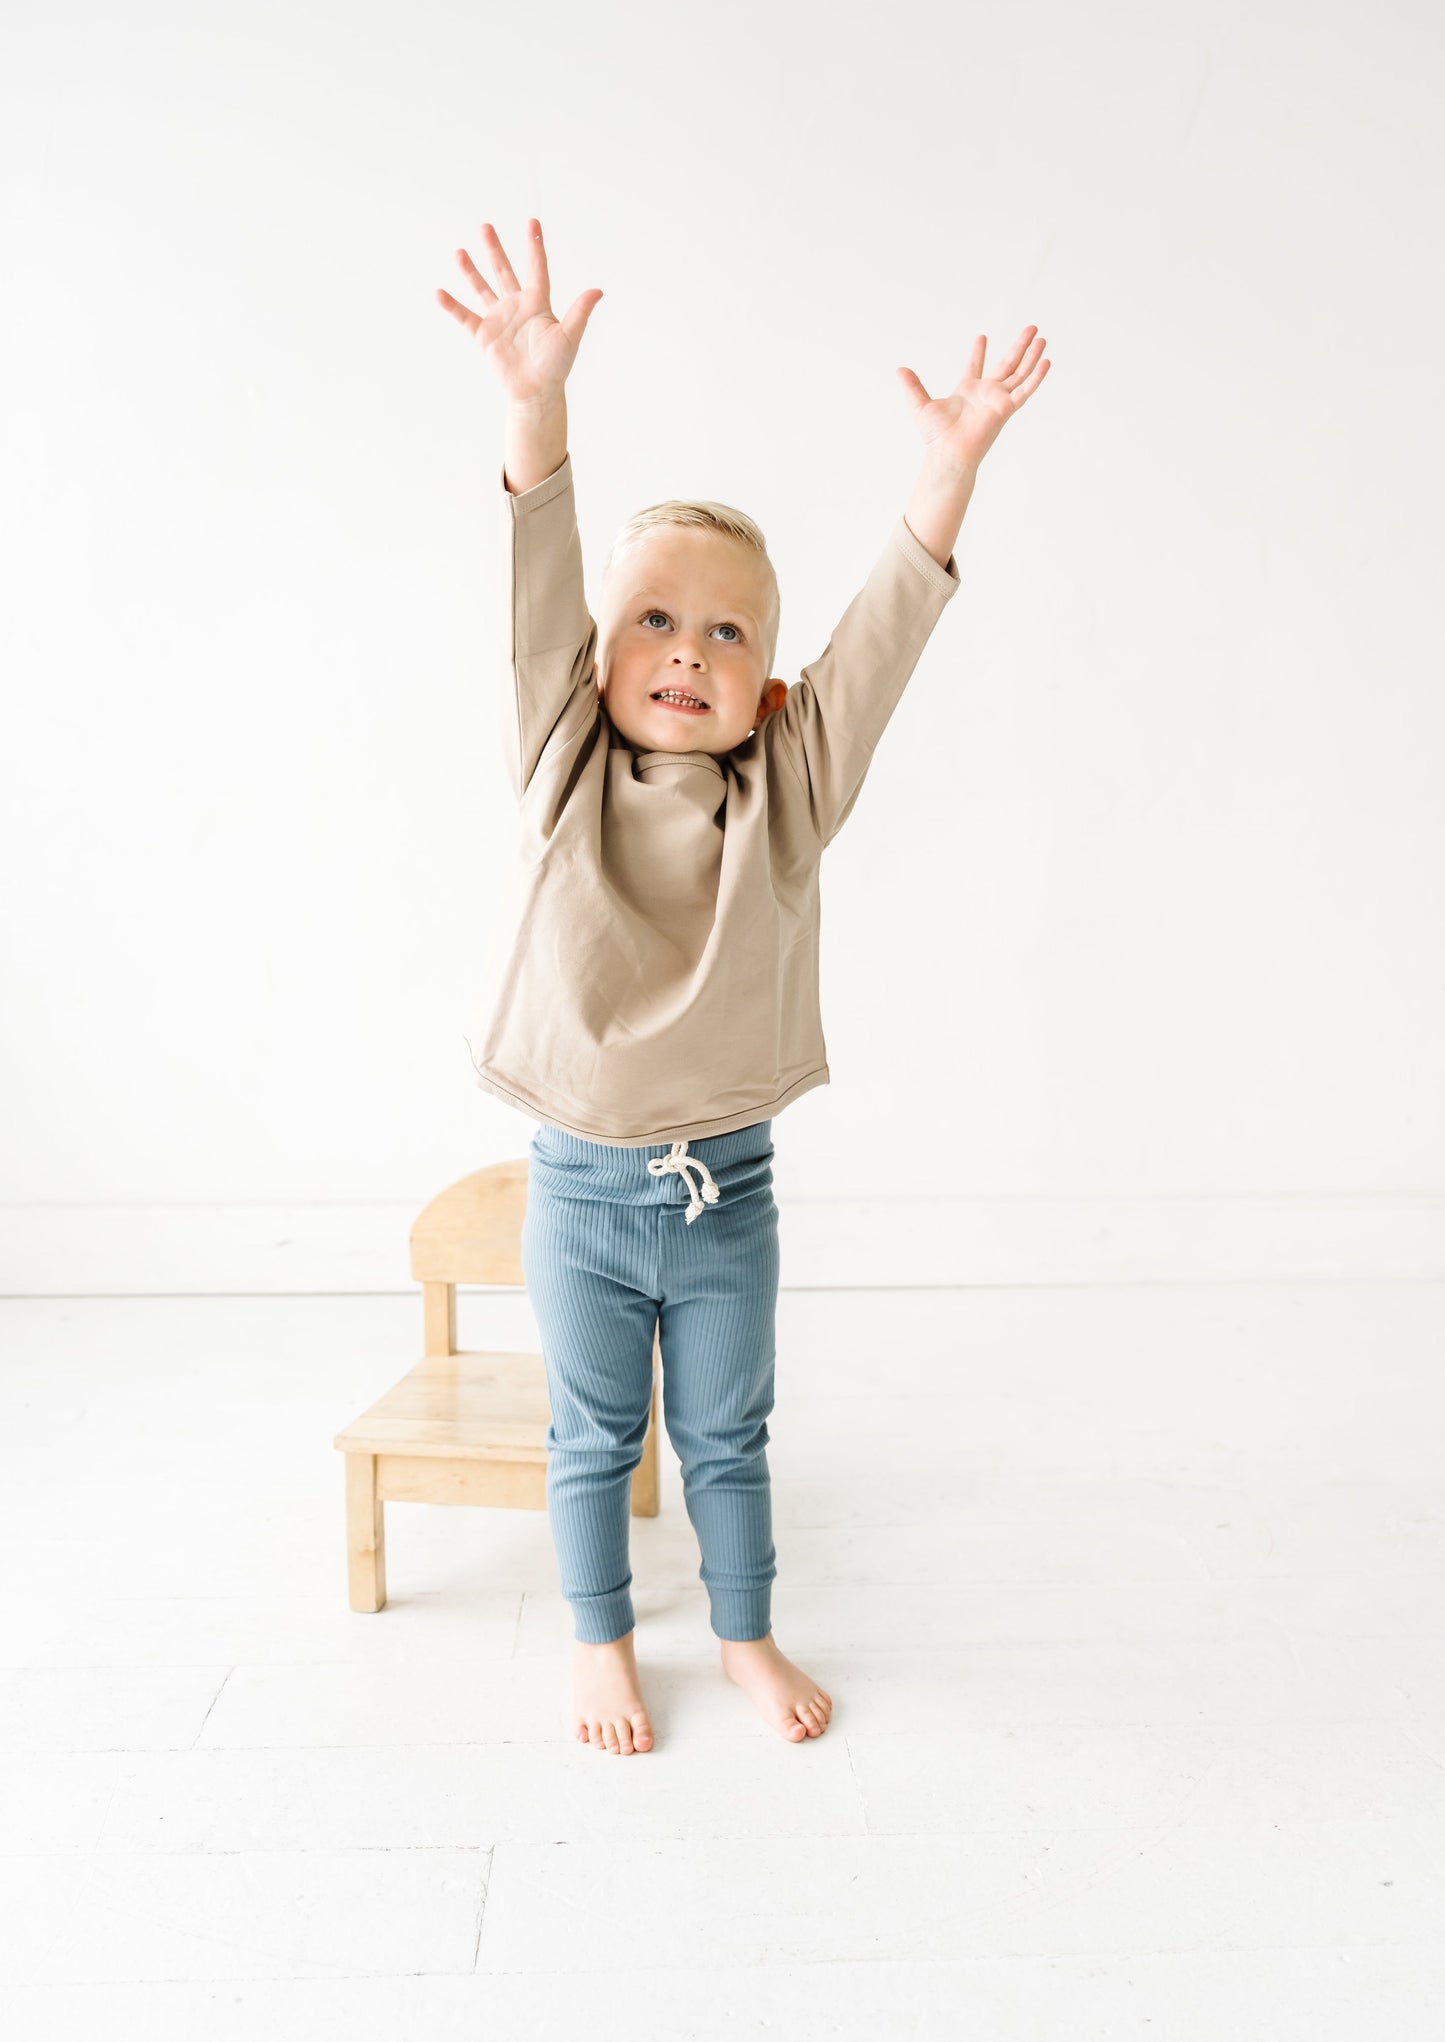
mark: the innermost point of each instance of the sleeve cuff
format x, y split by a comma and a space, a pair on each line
524, 500
944, 579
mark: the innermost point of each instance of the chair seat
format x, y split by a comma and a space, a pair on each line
464, 1427
466, 1406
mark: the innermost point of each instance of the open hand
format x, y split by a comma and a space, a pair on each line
959, 429
531, 350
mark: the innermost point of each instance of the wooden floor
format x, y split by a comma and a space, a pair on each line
1129, 1600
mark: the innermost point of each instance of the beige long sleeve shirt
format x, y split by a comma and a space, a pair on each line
663, 981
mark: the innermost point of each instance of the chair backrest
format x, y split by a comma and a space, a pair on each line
472, 1231
469, 1233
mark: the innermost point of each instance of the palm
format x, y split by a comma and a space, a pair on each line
961, 427
531, 349
525, 342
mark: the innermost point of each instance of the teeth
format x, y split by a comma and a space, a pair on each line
671, 695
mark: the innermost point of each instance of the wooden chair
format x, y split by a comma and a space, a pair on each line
461, 1427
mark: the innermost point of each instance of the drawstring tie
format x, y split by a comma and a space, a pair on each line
684, 1164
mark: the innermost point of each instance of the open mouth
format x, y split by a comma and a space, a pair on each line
680, 699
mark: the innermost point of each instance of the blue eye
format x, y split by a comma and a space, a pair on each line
736, 638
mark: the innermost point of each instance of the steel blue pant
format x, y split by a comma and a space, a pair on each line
680, 1240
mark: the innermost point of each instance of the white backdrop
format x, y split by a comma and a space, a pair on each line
1140, 911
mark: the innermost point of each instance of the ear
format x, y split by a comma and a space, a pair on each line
773, 697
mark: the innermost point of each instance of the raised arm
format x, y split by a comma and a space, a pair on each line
958, 430
831, 719
551, 640
824, 732
529, 349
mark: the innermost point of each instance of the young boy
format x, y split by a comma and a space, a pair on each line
661, 1001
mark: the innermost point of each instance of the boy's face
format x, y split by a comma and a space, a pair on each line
686, 609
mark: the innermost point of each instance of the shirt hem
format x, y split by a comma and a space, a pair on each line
692, 1130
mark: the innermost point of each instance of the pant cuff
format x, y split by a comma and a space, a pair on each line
741, 1613
598, 1619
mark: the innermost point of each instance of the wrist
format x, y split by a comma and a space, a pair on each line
942, 471
936, 509
535, 439
546, 405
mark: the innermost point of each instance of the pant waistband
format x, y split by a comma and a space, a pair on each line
712, 1169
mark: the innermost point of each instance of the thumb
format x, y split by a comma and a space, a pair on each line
913, 390
574, 320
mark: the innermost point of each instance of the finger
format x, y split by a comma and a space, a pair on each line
505, 272
1012, 374
975, 363
537, 261
478, 280
469, 319
574, 321
913, 390
1026, 390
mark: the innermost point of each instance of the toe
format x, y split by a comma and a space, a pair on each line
794, 1729
641, 1732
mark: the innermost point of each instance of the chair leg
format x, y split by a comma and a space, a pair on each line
365, 1536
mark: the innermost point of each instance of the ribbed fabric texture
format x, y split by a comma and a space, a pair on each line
608, 1257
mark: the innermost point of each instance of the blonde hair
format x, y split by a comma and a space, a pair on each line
704, 515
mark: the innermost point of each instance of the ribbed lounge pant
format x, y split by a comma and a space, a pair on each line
616, 1240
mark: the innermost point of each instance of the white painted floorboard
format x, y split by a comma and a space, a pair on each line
1129, 1601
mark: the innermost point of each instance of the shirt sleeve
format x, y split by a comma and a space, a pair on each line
834, 715
548, 696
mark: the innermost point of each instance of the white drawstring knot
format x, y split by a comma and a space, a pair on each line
684, 1164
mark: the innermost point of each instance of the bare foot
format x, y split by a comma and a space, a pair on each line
785, 1696
609, 1713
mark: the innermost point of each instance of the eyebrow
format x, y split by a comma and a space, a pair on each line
640, 593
